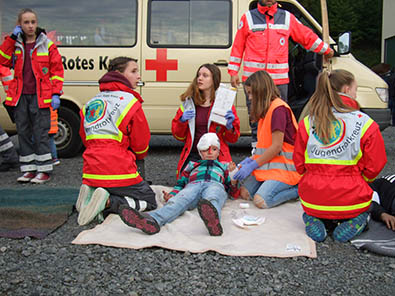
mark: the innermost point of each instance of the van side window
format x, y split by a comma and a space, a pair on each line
80, 22
190, 23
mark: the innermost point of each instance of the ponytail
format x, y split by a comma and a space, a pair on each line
321, 103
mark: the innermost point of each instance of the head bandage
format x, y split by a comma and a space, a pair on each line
208, 140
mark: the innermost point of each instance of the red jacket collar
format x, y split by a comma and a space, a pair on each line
118, 86
268, 10
114, 81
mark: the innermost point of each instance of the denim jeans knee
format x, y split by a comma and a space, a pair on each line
276, 192
252, 185
187, 198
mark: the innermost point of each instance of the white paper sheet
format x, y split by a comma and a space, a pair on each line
224, 99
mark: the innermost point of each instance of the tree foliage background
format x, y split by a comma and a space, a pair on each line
363, 18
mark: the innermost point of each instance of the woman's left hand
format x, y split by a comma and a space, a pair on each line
230, 117
245, 170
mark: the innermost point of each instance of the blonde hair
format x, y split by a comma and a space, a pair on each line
193, 89
340, 78
263, 91
325, 98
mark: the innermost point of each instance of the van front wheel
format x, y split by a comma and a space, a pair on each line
67, 140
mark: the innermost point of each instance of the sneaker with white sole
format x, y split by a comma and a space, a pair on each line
84, 196
26, 177
95, 206
40, 178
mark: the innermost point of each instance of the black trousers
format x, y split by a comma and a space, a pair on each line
139, 196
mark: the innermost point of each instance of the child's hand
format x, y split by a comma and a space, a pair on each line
166, 195
231, 166
389, 220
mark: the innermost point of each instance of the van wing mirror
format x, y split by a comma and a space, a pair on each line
344, 44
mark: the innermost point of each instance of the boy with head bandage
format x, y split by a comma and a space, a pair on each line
204, 184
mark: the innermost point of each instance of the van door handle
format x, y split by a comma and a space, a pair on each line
140, 83
221, 63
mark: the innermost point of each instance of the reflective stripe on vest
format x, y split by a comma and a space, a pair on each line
175, 136
344, 147
105, 112
316, 44
273, 75
284, 165
335, 208
266, 66
5, 55
234, 67
110, 177
57, 78
141, 152
7, 78
235, 60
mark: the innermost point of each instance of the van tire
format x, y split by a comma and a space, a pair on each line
67, 140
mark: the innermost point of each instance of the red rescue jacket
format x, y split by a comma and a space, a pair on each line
115, 133
334, 182
5, 77
47, 68
262, 37
185, 131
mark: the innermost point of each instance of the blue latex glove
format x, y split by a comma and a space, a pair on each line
55, 103
230, 117
245, 161
246, 170
17, 30
188, 114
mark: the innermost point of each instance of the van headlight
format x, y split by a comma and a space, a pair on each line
382, 93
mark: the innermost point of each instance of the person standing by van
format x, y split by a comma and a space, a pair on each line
115, 133
192, 119
338, 150
262, 41
37, 85
7, 148
270, 175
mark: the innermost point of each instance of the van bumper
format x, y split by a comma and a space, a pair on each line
381, 116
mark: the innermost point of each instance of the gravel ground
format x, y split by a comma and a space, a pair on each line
53, 266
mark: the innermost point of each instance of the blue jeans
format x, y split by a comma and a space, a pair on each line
188, 198
273, 192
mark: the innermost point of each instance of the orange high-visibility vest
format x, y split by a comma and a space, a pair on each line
54, 121
280, 168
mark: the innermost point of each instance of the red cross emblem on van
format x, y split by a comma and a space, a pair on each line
161, 65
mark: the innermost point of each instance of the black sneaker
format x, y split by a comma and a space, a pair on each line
5, 166
210, 217
135, 219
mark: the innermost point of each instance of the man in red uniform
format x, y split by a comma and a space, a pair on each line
262, 41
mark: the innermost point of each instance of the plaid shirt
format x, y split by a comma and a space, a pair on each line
205, 170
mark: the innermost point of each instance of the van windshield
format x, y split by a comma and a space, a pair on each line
78, 22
